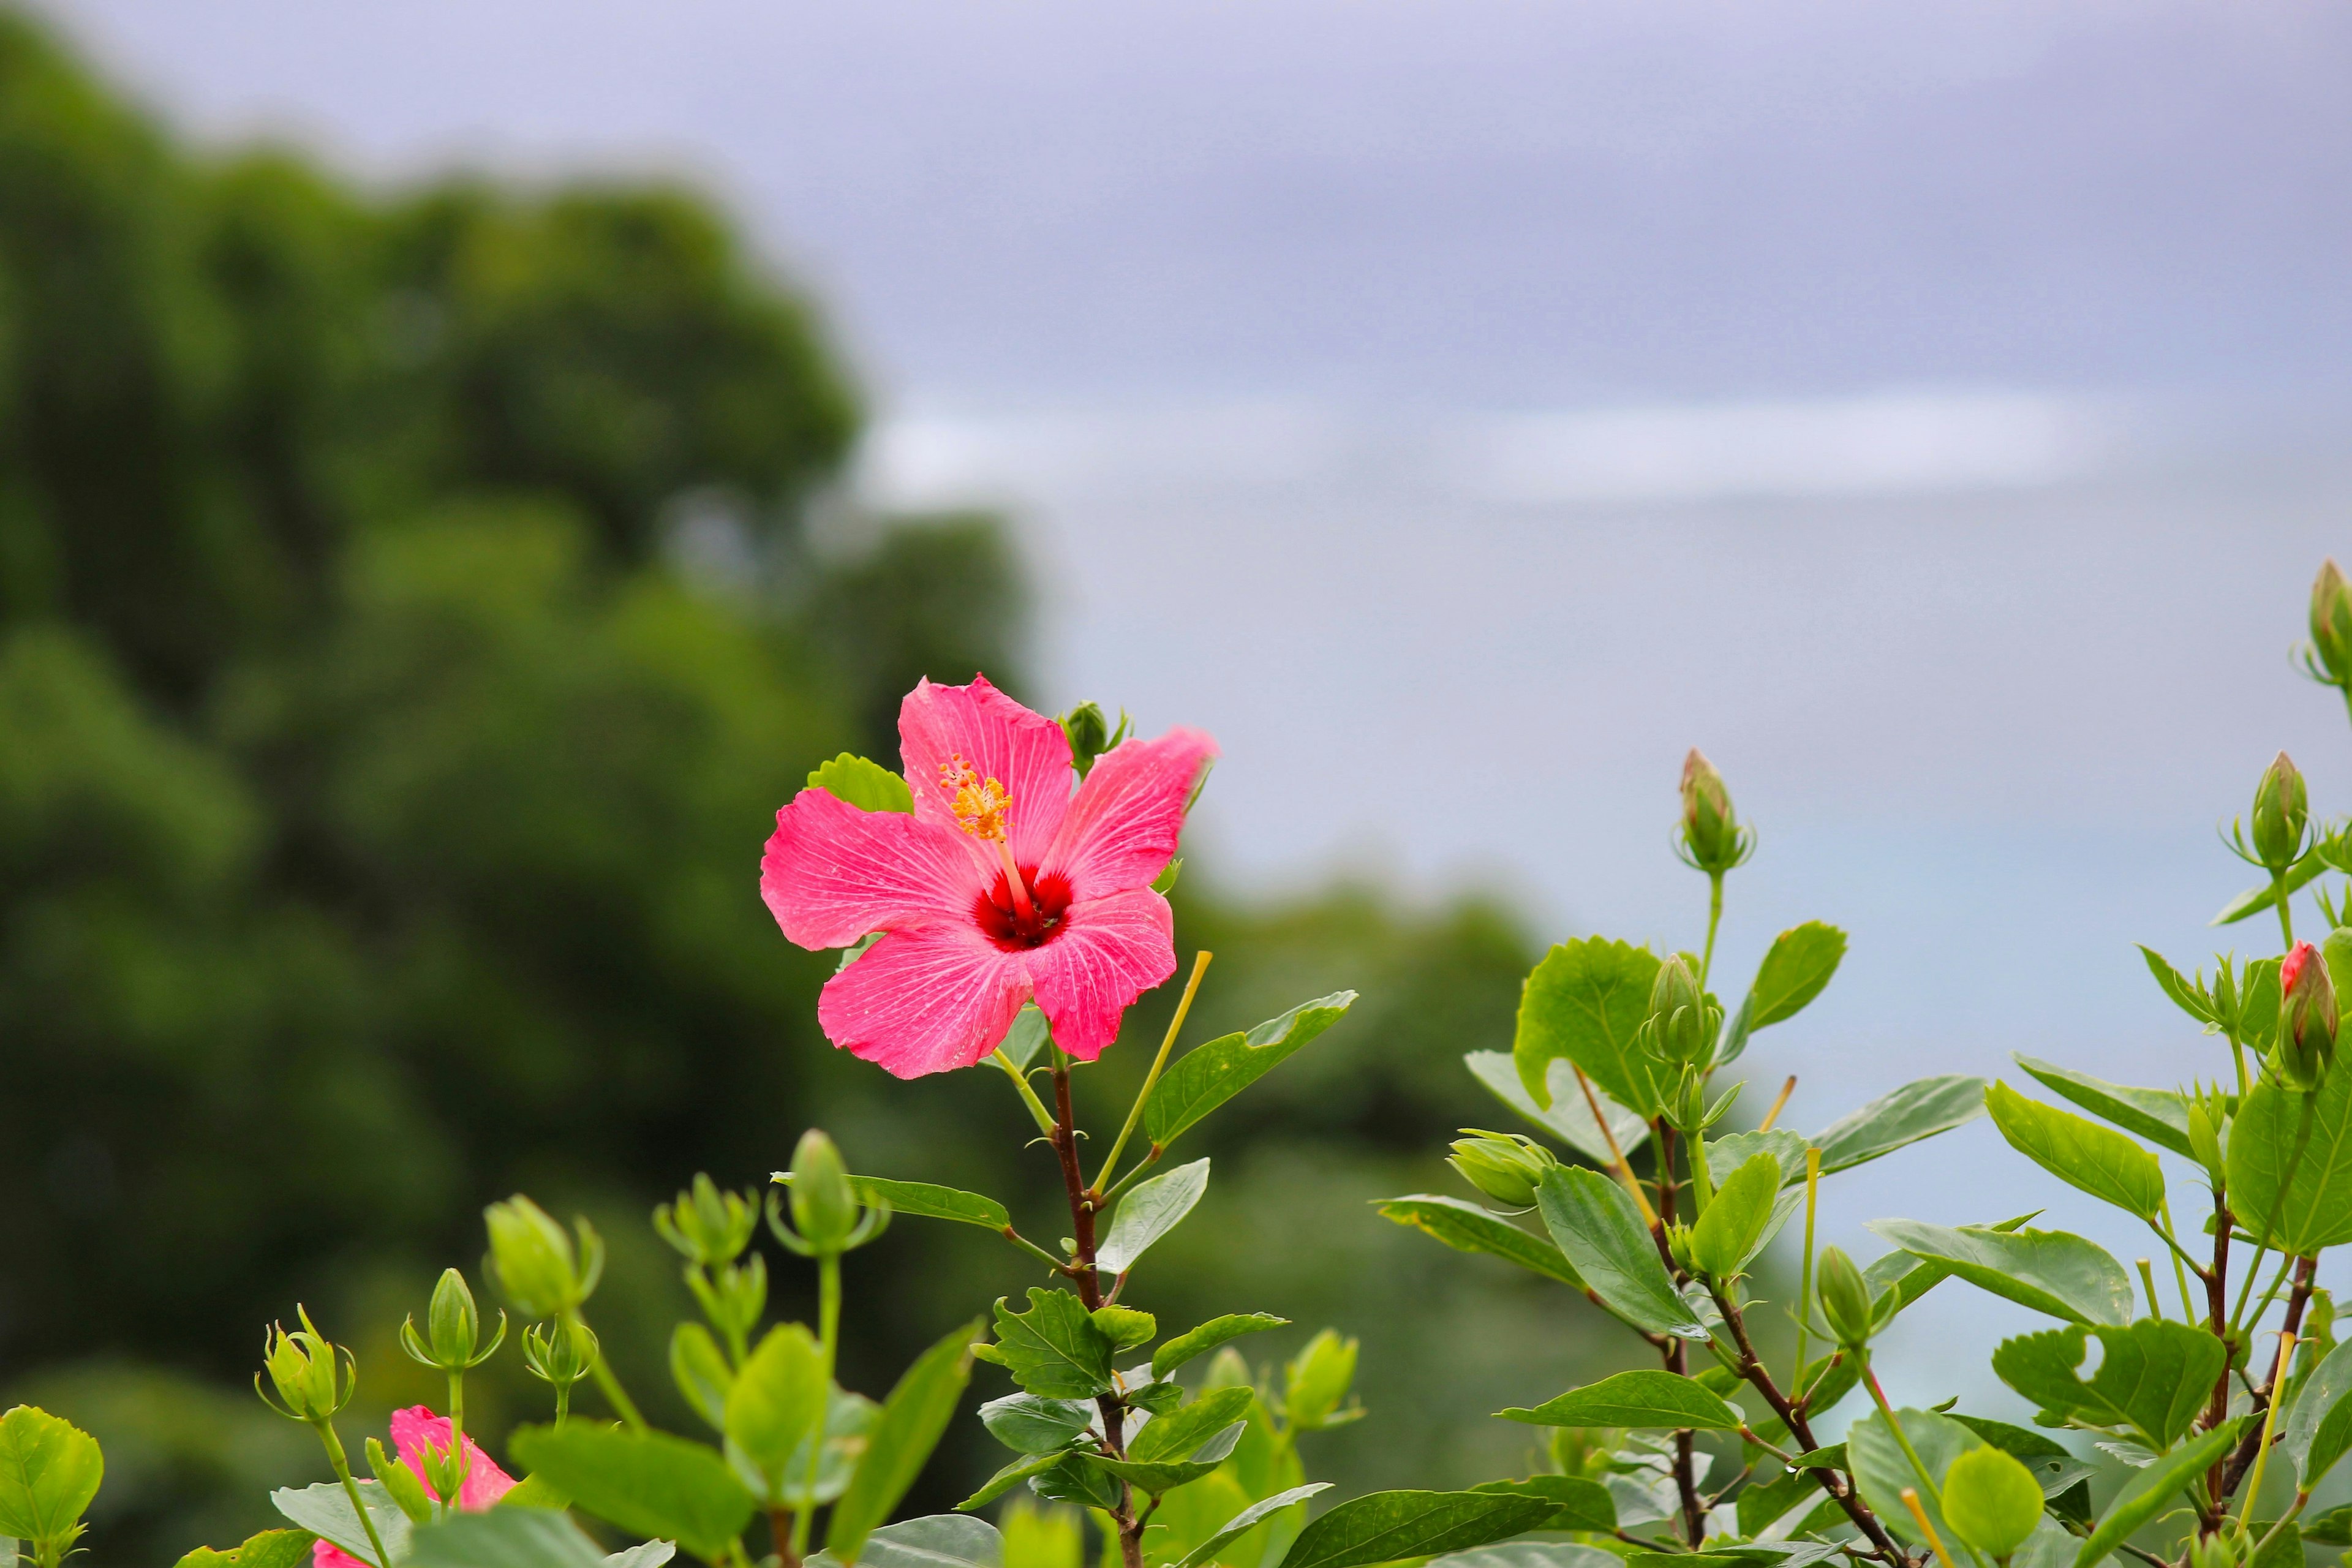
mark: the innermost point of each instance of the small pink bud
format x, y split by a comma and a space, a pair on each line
2296, 966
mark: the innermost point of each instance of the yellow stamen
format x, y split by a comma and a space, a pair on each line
982, 806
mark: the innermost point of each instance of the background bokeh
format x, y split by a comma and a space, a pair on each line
460, 466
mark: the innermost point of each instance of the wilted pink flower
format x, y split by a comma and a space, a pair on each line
411, 1429
1002, 886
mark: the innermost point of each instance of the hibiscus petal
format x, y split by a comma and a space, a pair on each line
413, 1427
999, 739
1110, 952
925, 999
833, 874
325, 1553
1124, 824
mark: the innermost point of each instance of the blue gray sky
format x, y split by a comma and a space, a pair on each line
1935, 411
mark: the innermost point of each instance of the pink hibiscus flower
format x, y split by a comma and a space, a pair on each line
1003, 886
411, 1429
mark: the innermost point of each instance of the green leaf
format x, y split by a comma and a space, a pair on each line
934, 1541
867, 785
1605, 1241
2079, 1152
2319, 1429
534, 1491
2049, 1270
929, 1201
901, 1439
1644, 1398
1155, 1477
1731, 1227
1028, 1033
1733, 1150
1010, 1476
2154, 1376
270, 1549
2185, 994
1911, 1278
1528, 1554
1881, 1469
1584, 1002
649, 1483
1209, 1336
49, 1469
325, 1510
1993, 1500
1053, 1348
2317, 1210
1578, 1503
2064, 1479
1569, 1116
1151, 1210
1207, 1075
2254, 901
1385, 1527
2150, 1492
1917, 1110
2333, 1528
1028, 1425
777, 1401
1796, 967
699, 1368
506, 1538
2159, 1115
2258, 1002
1070, 1480
1179, 1433
1242, 1523
1466, 1228
847, 1419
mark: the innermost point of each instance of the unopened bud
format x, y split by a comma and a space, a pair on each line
1680, 1024
824, 1209
2331, 623
2205, 1142
533, 1261
707, 1224
2220, 1550
454, 1325
2307, 1019
1711, 833
1846, 1303
305, 1370
1503, 1165
559, 1354
2281, 811
1089, 735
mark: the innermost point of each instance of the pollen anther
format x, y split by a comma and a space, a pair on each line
980, 806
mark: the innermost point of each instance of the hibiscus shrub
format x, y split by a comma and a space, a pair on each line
1001, 902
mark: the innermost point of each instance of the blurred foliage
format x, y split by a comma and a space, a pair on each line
408, 626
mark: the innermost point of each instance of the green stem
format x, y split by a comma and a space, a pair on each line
1918, 1466
1714, 918
2180, 1273
562, 1403
610, 1386
2280, 897
1038, 1110
1133, 1176
1805, 1281
828, 1341
342, 1464
1167, 1044
457, 1437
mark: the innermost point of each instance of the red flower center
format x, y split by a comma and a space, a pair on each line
1015, 930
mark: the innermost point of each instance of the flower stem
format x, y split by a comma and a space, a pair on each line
457, 1436
1037, 1111
342, 1464
1714, 918
2270, 1421
1805, 1278
828, 1342
1911, 1502
610, 1386
2280, 897
1167, 1044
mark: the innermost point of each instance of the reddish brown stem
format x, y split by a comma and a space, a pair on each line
2242, 1457
1112, 1410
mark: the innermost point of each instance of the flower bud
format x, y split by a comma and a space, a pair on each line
557, 1355
305, 1370
1680, 1024
708, 1225
2281, 811
1712, 840
2331, 623
1845, 1299
1089, 735
824, 1209
533, 1261
1503, 1165
455, 1327
2307, 1019
2205, 1142
2220, 1550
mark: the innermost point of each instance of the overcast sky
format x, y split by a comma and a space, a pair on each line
1935, 410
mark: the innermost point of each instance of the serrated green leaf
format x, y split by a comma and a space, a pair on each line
2153, 1377
1732, 1226
2317, 1210
1647, 1397
2049, 1270
775, 1402
1053, 1348
1209, 1336
1570, 1116
867, 785
2078, 1152
900, 1440
934, 1541
1917, 1110
49, 1470
1386, 1527
1207, 1075
1881, 1470
1584, 1003
2319, 1429
1242, 1523
2151, 1489
2159, 1115
1150, 1209
1580, 1504
649, 1484
1605, 1241
1466, 1228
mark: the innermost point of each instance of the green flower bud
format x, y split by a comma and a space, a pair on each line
2205, 1142
307, 1370
2308, 1017
824, 1209
707, 1224
1992, 1501
1125, 1327
1503, 1165
1089, 735
1712, 839
2220, 1550
1682, 1026
456, 1327
2282, 812
533, 1261
1845, 1299
399, 1483
557, 1355
2331, 624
